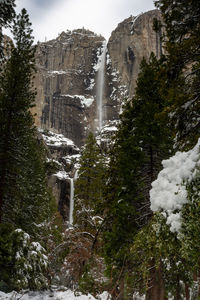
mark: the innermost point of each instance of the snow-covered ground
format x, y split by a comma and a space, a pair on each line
51, 295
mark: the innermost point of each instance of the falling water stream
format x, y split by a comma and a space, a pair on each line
71, 204
100, 94
100, 86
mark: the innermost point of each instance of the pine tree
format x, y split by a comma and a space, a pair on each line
85, 261
7, 13
23, 263
142, 141
90, 183
182, 30
24, 199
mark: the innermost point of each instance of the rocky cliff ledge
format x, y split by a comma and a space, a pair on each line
61, 164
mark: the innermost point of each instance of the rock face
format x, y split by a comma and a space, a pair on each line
68, 66
65, 83
132, 40
62, 163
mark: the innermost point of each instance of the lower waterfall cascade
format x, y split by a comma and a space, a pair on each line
71, 204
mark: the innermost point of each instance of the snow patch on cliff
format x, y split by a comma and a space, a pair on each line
57, 72
133, 22
62, 175
55, 139
99, 56
85, 101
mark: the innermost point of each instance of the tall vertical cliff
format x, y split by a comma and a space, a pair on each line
133, 39
65, 82
67, 67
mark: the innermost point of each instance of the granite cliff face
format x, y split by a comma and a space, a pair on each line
132, 40
65, 83
67, 74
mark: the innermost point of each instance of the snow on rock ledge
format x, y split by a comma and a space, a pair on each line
168, 193
62, 175
54, 139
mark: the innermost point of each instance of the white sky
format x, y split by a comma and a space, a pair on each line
51, 17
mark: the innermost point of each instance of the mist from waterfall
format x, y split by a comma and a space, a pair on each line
100, 85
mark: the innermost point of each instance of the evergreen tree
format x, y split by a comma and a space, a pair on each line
7, 13
90, 183
85, 261
181, 85
24, 199
142, 141
23, 263
164, 258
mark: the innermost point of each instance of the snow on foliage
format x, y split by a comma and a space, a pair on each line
107, 132
169, 193
30, 264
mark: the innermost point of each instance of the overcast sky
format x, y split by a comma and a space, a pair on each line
51, 17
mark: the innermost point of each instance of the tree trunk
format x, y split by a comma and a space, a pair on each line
187, 292
177, 297
1, 205
156, 289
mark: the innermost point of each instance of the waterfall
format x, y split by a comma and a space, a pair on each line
100, 86
71, 204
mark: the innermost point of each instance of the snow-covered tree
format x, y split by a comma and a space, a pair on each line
23, 263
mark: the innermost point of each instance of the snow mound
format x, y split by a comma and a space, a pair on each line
169, 193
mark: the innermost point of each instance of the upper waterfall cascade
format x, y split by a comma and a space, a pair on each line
100, 85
